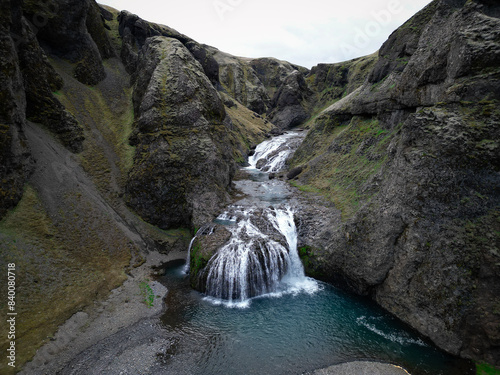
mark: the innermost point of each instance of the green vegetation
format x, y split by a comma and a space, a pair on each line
249, 129
107, 118
198, 260
346, 157
147, 293
88, 266
332, 82
486, 369
307, 255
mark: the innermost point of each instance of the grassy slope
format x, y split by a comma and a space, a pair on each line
249, 128
342, 158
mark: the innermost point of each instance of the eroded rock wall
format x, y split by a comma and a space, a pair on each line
183, 164
410, 160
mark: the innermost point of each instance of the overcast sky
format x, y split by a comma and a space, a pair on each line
305, 32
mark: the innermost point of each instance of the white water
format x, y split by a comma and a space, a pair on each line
268, 150
188, 259
260, 258
400, 337
252, 264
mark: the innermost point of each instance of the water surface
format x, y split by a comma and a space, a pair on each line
289, 333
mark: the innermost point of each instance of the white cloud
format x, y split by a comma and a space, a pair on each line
302, 32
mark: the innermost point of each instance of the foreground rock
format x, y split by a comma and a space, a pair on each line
361, 368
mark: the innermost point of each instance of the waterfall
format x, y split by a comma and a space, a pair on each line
258, 255
271, 155
259, 259
188, 259
284, 222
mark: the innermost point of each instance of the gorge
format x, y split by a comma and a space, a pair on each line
121, 140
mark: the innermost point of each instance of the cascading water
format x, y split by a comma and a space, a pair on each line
260, 257
271, 155
188, 259
254, 251
252, 263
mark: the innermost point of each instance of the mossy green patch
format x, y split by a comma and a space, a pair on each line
342, 159
486, 369
308, 256
198, 261
147, 293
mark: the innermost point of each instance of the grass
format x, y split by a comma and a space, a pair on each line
342, 160
486, 369
249, 129
147, 293
61, 265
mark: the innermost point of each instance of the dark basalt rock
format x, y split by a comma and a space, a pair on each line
183, 163
15, 163
67, 31
135, 31
418, 236
288, 110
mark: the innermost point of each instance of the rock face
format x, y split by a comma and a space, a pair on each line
241, 82
406, 157
134, 32
288, 108
288, 95
29, 81
410, 160
183, 164
14, 154
66, 33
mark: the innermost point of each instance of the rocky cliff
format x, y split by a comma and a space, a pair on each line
119, 137
114, 143
410, 160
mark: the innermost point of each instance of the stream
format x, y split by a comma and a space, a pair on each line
259, 313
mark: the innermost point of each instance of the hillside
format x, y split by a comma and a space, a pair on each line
411, 161
120, 138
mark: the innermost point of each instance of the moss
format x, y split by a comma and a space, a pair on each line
483, 368
345, 159
198, 261
307, 255
147, 293
108, 124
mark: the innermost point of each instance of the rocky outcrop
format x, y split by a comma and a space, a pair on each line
410, 160
183, 164
65, 33
288, 103
14, 153
332, 82
29, 81
288, 95
241, 82
134, 32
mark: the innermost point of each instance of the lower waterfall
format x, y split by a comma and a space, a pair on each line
255, 263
